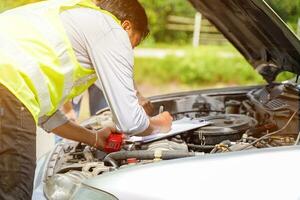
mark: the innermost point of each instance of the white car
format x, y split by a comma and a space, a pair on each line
249, 150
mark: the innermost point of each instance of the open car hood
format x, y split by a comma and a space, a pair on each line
257, 32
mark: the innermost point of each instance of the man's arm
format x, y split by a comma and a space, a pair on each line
60, 125
78, 133
144, 102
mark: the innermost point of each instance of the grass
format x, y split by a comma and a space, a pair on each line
202, 66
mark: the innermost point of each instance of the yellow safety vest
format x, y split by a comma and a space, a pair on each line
37, 62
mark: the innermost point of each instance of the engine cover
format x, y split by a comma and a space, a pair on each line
224, 127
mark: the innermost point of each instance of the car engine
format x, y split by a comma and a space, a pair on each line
240, 120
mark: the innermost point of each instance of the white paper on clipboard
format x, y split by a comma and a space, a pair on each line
179, 126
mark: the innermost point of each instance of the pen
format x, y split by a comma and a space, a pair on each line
161, 109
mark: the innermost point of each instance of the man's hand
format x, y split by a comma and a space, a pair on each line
163, 122
160, 123
102, 136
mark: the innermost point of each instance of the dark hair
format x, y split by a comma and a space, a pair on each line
130, 10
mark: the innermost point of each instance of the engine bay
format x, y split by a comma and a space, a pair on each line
263, 117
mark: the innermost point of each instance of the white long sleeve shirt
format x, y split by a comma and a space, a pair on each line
101, 43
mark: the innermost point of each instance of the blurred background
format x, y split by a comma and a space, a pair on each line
184, 51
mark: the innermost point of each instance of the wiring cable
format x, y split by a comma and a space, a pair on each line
270, 134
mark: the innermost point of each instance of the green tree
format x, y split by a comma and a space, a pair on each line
159, 10
288, 10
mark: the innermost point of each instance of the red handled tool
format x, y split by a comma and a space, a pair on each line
113, 143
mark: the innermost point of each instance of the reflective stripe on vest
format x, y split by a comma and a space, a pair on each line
29, 66
84, 80
54, 38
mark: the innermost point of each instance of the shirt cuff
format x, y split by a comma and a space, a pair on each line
49, 123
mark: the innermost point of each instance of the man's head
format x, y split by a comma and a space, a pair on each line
132, 16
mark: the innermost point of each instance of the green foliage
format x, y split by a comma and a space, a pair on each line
159, 10
288, 10
206, 65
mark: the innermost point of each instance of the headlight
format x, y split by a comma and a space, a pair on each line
63, 186
84, 193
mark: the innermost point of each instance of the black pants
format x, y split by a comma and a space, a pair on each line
17, 148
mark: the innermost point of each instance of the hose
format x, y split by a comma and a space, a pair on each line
111, 161
203, 147
297, 140
113, 158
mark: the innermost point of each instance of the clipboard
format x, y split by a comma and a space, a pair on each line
178, 127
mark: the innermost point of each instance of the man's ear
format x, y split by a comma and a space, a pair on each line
127, 25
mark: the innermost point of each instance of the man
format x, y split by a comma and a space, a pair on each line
51, 52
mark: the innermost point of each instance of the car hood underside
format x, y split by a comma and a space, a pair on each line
257, 32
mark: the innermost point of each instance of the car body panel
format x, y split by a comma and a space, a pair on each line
212, 91
255, 174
